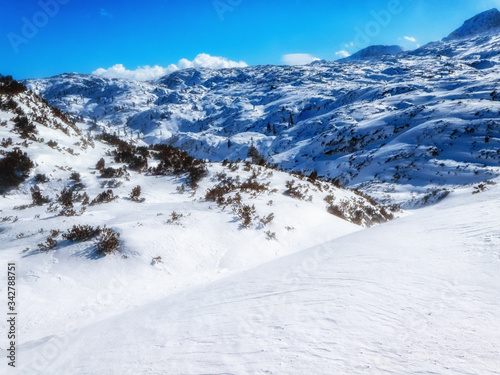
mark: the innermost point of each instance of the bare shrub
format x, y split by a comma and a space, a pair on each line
100, 164
294, 191
270, 235
37, 197
108, 242
81, 233
175, 218
246, 213
105, 197
135, 195
267, 219
14, 169
48, 245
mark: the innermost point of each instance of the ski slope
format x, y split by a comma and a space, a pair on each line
418, 295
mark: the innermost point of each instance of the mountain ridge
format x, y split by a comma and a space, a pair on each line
482, 23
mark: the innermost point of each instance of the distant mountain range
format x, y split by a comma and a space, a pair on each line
387, 121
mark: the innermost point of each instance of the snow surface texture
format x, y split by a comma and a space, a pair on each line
417, 295
411, 124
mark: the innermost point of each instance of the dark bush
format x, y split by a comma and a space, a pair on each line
252, 185
176, 162
100, 164
135, 195
11, 87
112, 172
105, 197
6, 142
52, 144
75, 176
24, 127
81, 233
294, 191
66, 198
14, 169
246, 213
48, 245
337, 211
108, 241
41, 178
38, 198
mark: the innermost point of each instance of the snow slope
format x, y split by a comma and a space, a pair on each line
417, 295
175, 239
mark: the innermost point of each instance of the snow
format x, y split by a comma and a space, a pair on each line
485, 22
306, 293
72, 285
358, 122
417, 295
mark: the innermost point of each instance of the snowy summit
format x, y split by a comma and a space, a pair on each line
484, 23
374, 52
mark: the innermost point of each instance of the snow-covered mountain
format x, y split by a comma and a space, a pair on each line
484, 23
417, 122
373, 52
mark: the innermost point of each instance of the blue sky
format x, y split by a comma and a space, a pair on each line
85, 35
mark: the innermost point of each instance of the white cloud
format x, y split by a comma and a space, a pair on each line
148, 73
342, 54
298, 59
411, 39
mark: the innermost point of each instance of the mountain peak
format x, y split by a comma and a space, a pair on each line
482, 23
372, 52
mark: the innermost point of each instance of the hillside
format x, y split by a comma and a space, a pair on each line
417, 295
